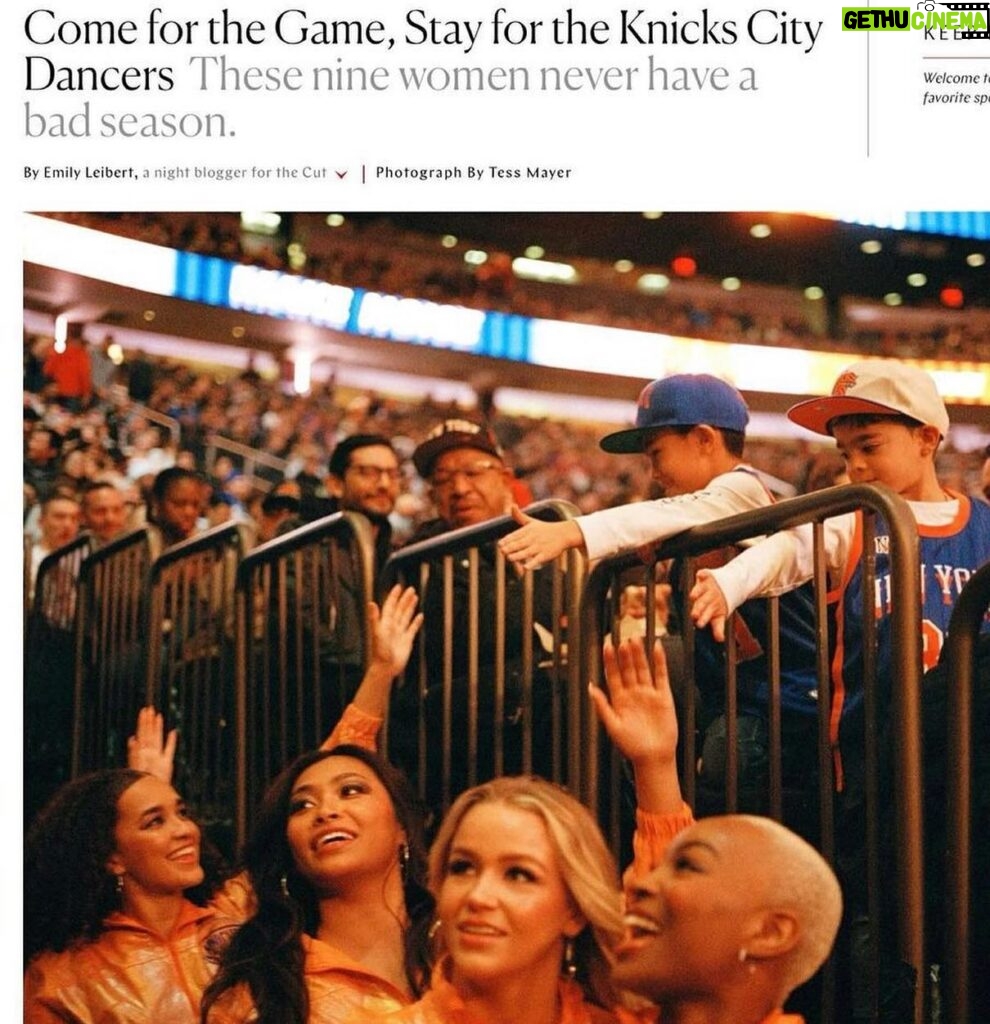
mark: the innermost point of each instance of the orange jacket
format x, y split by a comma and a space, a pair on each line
338, 988
130, 974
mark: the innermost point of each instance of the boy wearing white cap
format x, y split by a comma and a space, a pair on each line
888, 420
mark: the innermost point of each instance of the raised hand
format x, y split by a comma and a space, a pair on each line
149, 749
638, 712
393, 629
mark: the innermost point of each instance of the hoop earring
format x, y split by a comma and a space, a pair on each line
284, 886
570, 967
404, 862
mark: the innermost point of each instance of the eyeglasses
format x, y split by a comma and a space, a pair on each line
374, 472
471, 472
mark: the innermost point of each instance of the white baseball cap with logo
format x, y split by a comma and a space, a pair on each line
875, 387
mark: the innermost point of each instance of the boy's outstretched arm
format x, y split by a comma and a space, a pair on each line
535, 543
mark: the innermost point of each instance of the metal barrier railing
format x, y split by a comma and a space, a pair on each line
968, 615
49, 647
54, 602
302, 644
494, 684
110, 650
190, 661
597, 617
250, 459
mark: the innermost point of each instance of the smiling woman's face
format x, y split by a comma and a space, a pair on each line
341, 823
156, 842
687, 920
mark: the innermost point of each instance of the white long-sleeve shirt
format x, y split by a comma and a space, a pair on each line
628, 527
785, 560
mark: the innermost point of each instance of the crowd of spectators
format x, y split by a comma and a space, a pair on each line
380, 257
69, 443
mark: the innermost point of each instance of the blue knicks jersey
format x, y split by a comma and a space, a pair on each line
949, 555
798, 647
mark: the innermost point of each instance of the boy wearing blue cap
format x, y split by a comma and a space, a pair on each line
692, 427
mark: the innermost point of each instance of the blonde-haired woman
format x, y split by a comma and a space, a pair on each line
528, 906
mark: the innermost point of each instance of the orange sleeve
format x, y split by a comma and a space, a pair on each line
355, 727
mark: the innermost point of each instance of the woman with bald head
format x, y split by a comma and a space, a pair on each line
738, 912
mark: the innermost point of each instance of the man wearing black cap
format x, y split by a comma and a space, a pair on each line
471, 484
465, 465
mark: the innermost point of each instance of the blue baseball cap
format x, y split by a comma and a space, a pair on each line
682, 400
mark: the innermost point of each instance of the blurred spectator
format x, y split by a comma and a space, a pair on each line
177, 501
58, 525
141, 375
103, 512
985, 475
41, 459
103, 370
69, 371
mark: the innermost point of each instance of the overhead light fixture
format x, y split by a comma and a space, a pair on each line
148, 315
814, 292
652, 215
261, 222
976, 259
760, 230
917, 280
448, 241
893, 299
115, 353
534, 252
952, 296
623, 266
475, 257
334, 220
684, 266
871, 246
237, 332
731, 284
543, 270
653, 282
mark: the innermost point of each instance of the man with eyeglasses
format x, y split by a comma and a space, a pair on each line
471, 484
364, 476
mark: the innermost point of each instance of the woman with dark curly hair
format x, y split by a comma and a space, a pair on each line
122, 924
116, 898
337, 866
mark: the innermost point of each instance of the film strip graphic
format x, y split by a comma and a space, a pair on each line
965, 33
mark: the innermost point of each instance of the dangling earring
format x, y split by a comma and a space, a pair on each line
284, 885
744, 957
434, 929
119, 884
570, 967
404, 862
